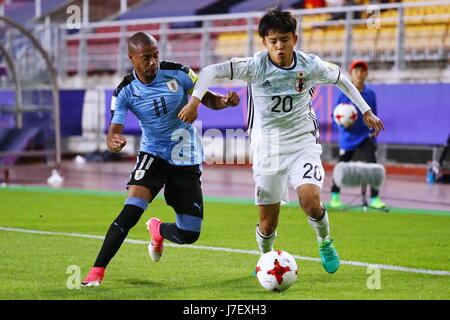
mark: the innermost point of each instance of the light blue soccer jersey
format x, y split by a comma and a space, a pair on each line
156, 106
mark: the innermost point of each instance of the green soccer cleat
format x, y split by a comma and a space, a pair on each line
377, 203
335, 200
329, 256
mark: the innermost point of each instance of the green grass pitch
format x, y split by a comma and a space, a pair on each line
34, 266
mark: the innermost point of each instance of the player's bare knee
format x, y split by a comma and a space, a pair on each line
311, 206
141, 192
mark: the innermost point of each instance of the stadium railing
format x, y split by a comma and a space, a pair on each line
388, 34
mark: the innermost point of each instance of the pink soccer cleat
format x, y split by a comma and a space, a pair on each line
94, 278
155, 248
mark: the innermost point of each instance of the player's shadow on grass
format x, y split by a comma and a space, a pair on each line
249, 285
142, 282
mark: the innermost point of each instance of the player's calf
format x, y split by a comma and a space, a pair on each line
172, 232
117, 232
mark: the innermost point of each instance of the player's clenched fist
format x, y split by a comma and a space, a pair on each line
231, 99
116, 142
189, 112
214, 101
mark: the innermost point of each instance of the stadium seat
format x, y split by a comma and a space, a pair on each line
387, 42
414, 45
16, 140
312, 39
306, 38
164, 8
389, 14
436, 35
234, 44
24, 11
231, 45
335, 41
364, 42
184, 50
447, 40
412, 12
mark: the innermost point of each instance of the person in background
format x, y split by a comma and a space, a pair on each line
358, 136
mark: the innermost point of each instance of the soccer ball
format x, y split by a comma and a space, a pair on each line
345, 114
276, 270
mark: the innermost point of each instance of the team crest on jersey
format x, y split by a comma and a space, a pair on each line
172, 85
299, 82
139, 174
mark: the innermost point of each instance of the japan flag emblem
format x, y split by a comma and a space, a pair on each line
299, 83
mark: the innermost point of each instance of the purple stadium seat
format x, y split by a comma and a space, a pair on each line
24, 10
50, 5
16, 140
165, 8
260, 5
20, 11
3, 71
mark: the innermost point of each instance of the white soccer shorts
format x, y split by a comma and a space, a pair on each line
303, 166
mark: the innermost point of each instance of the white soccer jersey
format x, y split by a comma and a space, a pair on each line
281, 97
284, 130
279, 100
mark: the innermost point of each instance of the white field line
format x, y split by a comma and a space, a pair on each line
352, 263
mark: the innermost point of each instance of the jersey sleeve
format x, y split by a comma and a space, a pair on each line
242, 69
325, 72
236, 68
190, 78
119, 107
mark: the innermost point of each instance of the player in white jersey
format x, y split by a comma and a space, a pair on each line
283, 126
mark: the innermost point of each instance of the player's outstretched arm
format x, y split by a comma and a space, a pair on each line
115, 141
216, 101
370, 119
212, 100
190, 111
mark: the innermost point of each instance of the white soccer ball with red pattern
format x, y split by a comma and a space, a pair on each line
345, 114
276, 270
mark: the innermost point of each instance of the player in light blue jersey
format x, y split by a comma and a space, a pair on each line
170, 152
283, 125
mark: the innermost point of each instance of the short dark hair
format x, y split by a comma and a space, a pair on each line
278, 20
141, 39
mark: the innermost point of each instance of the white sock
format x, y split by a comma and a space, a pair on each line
321, 226
265, 243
